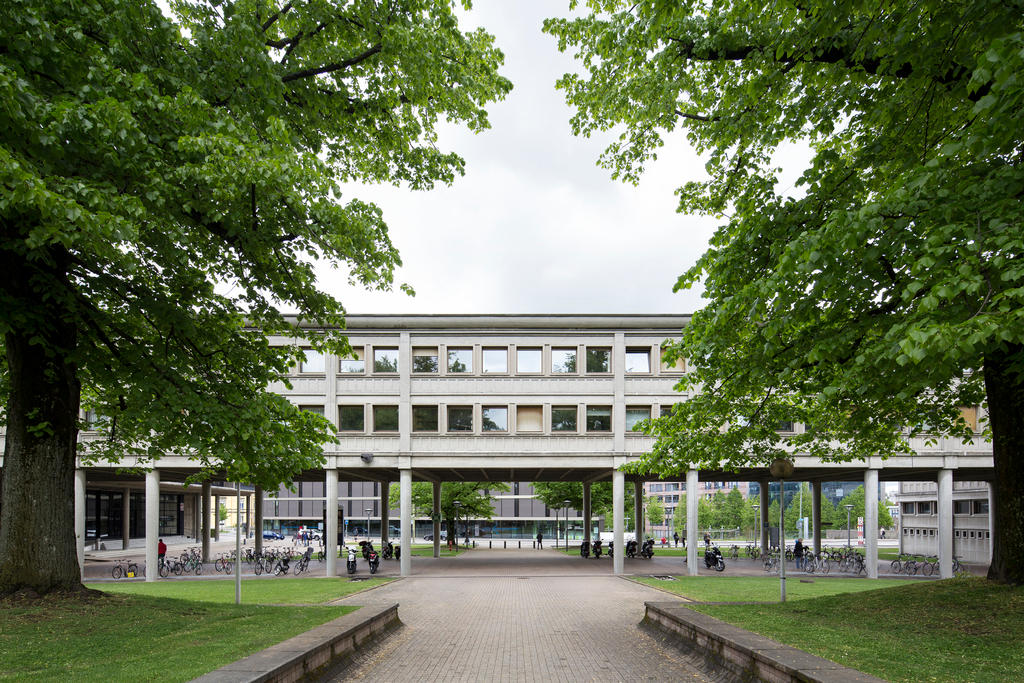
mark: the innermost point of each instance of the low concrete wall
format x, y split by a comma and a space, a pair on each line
747, 655
308, 653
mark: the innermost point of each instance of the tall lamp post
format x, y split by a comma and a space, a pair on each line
848, 508
565, 504
782, 469
368, 511
455, 531
757, 525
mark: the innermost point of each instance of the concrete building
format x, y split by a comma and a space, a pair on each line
918, 523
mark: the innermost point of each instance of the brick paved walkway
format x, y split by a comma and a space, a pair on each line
495, 616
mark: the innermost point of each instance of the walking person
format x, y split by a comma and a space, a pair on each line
798, 553
675, 537
540, 540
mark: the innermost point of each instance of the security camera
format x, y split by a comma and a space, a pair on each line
366, 457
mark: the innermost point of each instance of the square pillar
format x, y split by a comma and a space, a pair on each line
618, 520
946, 523
385, 516
126, 516
330, 511
258, 518
638, 508
216, 518
692, 498
871, 523
205, 543
586, 511
405, 510
80, 520
816, 515
436, 518
152, 522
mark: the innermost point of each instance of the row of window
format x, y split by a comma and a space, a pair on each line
493, 418
496, 360
960, 507
957, 533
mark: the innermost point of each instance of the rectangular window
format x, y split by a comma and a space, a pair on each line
424, 418
909, 509
563, 418
319, 410
460, 360
636, 414
961, 507
926, 507
563, 360
970, 416
599, 360
527, 360
424, 359
665, 410
385, 418
385, 360
981, 507
679, 365
354, 363
599, 418
529, 419
496, 360
350, 418
784, 426
494, 419
313, 362
638, 360
460, 418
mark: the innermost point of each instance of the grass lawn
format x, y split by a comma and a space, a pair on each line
963, 629
428, 551
762, 588
165, 631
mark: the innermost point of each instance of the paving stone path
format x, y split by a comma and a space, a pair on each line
514, 616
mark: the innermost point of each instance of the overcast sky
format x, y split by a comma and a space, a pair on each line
535, 226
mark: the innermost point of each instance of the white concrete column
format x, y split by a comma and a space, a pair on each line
436, 518
946, 523
816, 515
258, 518
587, 523
216, 518
765, 504
618, 519
638, 509
405, 510
331, 512
385, 517
871, 522
126, 516
80, 520
152, 522
692, 498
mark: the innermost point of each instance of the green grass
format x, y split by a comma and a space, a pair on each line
964, 629
762, 588
163, 631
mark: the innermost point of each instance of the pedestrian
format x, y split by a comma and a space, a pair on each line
540, 540
675, 537
883, 532
798, 553
664, 541
707, 538
161, 550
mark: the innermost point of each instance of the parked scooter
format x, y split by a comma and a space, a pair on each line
647, 550
367, 547
351, 563
611, 548
630, 548
713, 558
597, 549
374, 559
585, 549
387, 550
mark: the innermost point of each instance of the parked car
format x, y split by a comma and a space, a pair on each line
272, 536
430, 537
357, 530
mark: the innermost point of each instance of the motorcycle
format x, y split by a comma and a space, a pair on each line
374, 559
611, 548
388, 550
585, 549
351, 563
597, 549
630, 548
647, 550
367, 547
713, 558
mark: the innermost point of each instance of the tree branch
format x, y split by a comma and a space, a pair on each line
330, 68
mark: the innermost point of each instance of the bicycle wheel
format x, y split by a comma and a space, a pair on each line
895, 567
163, 570
116, 571
133, 570
257, 566
928, 568
824, 566
199, 568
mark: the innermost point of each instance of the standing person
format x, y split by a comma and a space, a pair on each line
675, 537
161, 550
540, 540
707, 539
798, 553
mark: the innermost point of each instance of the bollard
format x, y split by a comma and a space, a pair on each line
488, 545
520, 545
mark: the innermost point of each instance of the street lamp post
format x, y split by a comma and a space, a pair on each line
782, 469
848, 508
565, 504
368, 511
757, 524
455, 531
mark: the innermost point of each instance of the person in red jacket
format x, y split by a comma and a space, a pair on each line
161, 550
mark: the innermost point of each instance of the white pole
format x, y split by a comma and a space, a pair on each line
238, 544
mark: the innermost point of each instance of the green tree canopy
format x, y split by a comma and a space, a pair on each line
553, 493
884, 289
474, 497
168, 184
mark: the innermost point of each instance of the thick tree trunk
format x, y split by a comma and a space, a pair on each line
1004, 384
37, 533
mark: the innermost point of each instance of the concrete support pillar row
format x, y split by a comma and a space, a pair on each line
816, 515
205, 533
618, 520
436, 518
258, 518
126, 517
765, 504
152, 522
331, 512
586, 512
692, 498
80, 520
946, 523
405, 510
871, 523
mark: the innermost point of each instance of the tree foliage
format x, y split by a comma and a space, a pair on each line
554, 493
474, 497
168, 184
886, 288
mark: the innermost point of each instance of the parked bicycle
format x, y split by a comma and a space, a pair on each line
126, 568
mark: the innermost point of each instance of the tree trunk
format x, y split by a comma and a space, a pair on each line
37, 520
1004, 385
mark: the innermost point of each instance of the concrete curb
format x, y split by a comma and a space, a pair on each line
750, 656
309, 652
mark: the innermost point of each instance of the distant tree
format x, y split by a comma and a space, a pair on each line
475, 498
552, 493
655, 510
